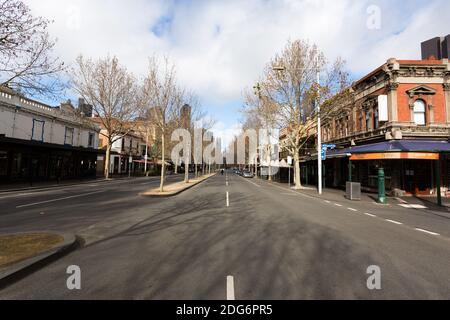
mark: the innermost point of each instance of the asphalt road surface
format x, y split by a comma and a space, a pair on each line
229, 237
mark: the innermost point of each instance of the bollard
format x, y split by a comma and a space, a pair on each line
381, 186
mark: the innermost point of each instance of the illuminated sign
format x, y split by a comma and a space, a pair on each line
395, 156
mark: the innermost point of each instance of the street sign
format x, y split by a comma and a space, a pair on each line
329, 146
289, 160
130, 159
323, 154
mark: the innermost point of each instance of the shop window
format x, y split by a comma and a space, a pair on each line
68, 137
38, 130
3, 163
419, 112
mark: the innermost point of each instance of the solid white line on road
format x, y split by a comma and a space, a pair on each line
230, 288
393, 221
228, 199
351, 209
59, 199
426, 231
338, 205
252, 182
370, 215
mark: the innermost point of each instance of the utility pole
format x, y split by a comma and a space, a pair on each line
319, 133
146, 153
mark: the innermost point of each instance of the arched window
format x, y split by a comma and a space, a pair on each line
419, 112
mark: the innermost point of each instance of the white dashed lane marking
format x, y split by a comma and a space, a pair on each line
393, 221
428, 232
230, 288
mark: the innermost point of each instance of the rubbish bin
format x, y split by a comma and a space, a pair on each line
353, 191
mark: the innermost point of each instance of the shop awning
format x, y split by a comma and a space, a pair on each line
395, 146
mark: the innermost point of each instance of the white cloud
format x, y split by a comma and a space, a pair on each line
220, 47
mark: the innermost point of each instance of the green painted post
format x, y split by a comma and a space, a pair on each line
381, 186
438, 180
350, 171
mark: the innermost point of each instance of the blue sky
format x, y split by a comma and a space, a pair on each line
221, 47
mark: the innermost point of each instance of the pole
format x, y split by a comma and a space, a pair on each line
350, 174
146, 153
289, 175
438, 181
319, 134
381, 186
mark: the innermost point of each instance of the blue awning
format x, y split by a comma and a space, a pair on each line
395, 146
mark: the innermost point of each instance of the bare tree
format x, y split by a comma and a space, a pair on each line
111, 90
26, 63
163, 99
290, 85
260, 112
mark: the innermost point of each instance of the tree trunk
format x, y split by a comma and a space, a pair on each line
176, 166
269, 166
163, 164
107, 160
186, 170
298, 182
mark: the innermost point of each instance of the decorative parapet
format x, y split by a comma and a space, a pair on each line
17, 101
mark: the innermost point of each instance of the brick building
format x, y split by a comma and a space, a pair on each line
398, 118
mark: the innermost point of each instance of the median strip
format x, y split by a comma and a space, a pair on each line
175, 188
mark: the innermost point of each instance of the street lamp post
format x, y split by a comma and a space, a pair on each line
319, 134
146, 153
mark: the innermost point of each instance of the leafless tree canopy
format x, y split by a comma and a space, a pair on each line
112, 92
289, 93
26, 61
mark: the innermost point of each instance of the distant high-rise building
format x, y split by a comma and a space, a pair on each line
186, 111
437, 48
85, 108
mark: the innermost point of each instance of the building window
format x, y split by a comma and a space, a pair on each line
376, 121
419, 112
91, 140
38, 130
368, 127
68, 137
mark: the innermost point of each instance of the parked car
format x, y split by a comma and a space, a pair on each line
247, 174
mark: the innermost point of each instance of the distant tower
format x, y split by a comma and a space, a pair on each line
186, 111
437, 48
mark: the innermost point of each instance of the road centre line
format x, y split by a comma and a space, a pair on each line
59, 199
351, 209
338, 205
230, 288
228, 199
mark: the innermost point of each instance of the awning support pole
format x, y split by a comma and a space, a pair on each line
350, 171
438, 180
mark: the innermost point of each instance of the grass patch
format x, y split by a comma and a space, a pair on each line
15, 248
